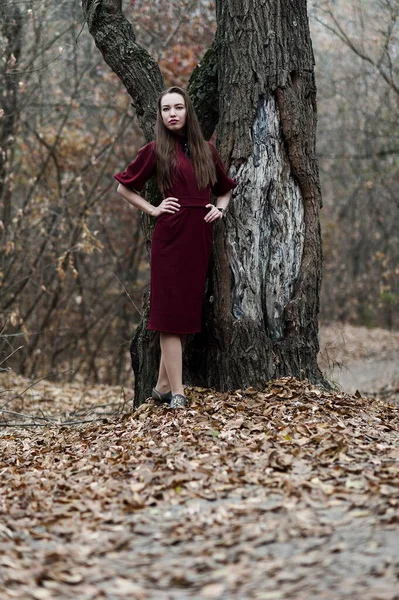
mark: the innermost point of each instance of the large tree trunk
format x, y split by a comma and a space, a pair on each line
262, 296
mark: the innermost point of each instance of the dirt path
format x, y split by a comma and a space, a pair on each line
369, 376
357, 358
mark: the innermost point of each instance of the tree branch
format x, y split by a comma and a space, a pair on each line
203, 90
140, 74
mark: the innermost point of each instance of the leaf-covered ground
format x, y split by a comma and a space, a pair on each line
291, 492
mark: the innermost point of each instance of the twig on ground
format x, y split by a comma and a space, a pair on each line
53, 424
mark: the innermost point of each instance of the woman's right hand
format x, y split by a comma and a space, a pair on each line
169, 205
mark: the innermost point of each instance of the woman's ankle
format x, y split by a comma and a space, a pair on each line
178, 390
162, 387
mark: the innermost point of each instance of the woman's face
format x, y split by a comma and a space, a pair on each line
173, 111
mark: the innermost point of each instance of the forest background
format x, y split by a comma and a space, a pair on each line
73, 261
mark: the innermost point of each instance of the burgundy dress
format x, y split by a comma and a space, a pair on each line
181, 242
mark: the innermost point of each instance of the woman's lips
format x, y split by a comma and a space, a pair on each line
173, 121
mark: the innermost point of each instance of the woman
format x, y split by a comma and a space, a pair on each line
188, 169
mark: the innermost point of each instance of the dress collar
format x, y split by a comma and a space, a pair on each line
183, 144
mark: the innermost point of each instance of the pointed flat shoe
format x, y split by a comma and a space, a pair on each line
161, 397
178, 401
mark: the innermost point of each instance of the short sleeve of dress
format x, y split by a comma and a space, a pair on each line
224, 183
140, 170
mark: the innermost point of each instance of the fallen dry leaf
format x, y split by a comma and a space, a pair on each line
249, 494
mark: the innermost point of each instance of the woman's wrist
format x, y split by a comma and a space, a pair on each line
222, 210
222, 202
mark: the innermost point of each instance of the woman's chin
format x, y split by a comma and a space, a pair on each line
176, 128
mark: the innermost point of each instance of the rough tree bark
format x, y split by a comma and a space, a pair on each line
256, 82
265, 284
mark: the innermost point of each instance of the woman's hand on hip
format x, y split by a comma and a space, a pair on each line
214, 214
169, 205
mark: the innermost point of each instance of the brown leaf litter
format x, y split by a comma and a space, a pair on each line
288, 492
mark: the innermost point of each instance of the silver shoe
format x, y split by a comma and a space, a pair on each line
161, 397
178, 401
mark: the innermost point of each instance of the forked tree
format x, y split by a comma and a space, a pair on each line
256, 86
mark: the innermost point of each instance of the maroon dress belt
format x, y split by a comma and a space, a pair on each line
192, 201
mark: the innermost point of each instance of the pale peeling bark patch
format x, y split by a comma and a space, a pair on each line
265, 260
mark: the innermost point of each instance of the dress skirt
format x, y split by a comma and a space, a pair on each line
180, 252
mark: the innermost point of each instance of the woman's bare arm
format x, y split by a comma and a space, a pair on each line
169, 205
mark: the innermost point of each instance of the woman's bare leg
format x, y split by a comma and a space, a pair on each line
163, 383
171, 347
183, 337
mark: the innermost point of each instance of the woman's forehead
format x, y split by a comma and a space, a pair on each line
172, 99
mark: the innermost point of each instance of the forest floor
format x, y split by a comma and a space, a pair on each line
291, 492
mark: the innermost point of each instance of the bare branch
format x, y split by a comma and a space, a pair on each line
140, 74
339, 31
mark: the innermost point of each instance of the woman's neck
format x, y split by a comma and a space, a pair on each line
180, 134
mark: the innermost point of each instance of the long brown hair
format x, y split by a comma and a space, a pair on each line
200, 152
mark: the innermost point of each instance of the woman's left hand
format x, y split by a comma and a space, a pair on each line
214, 214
